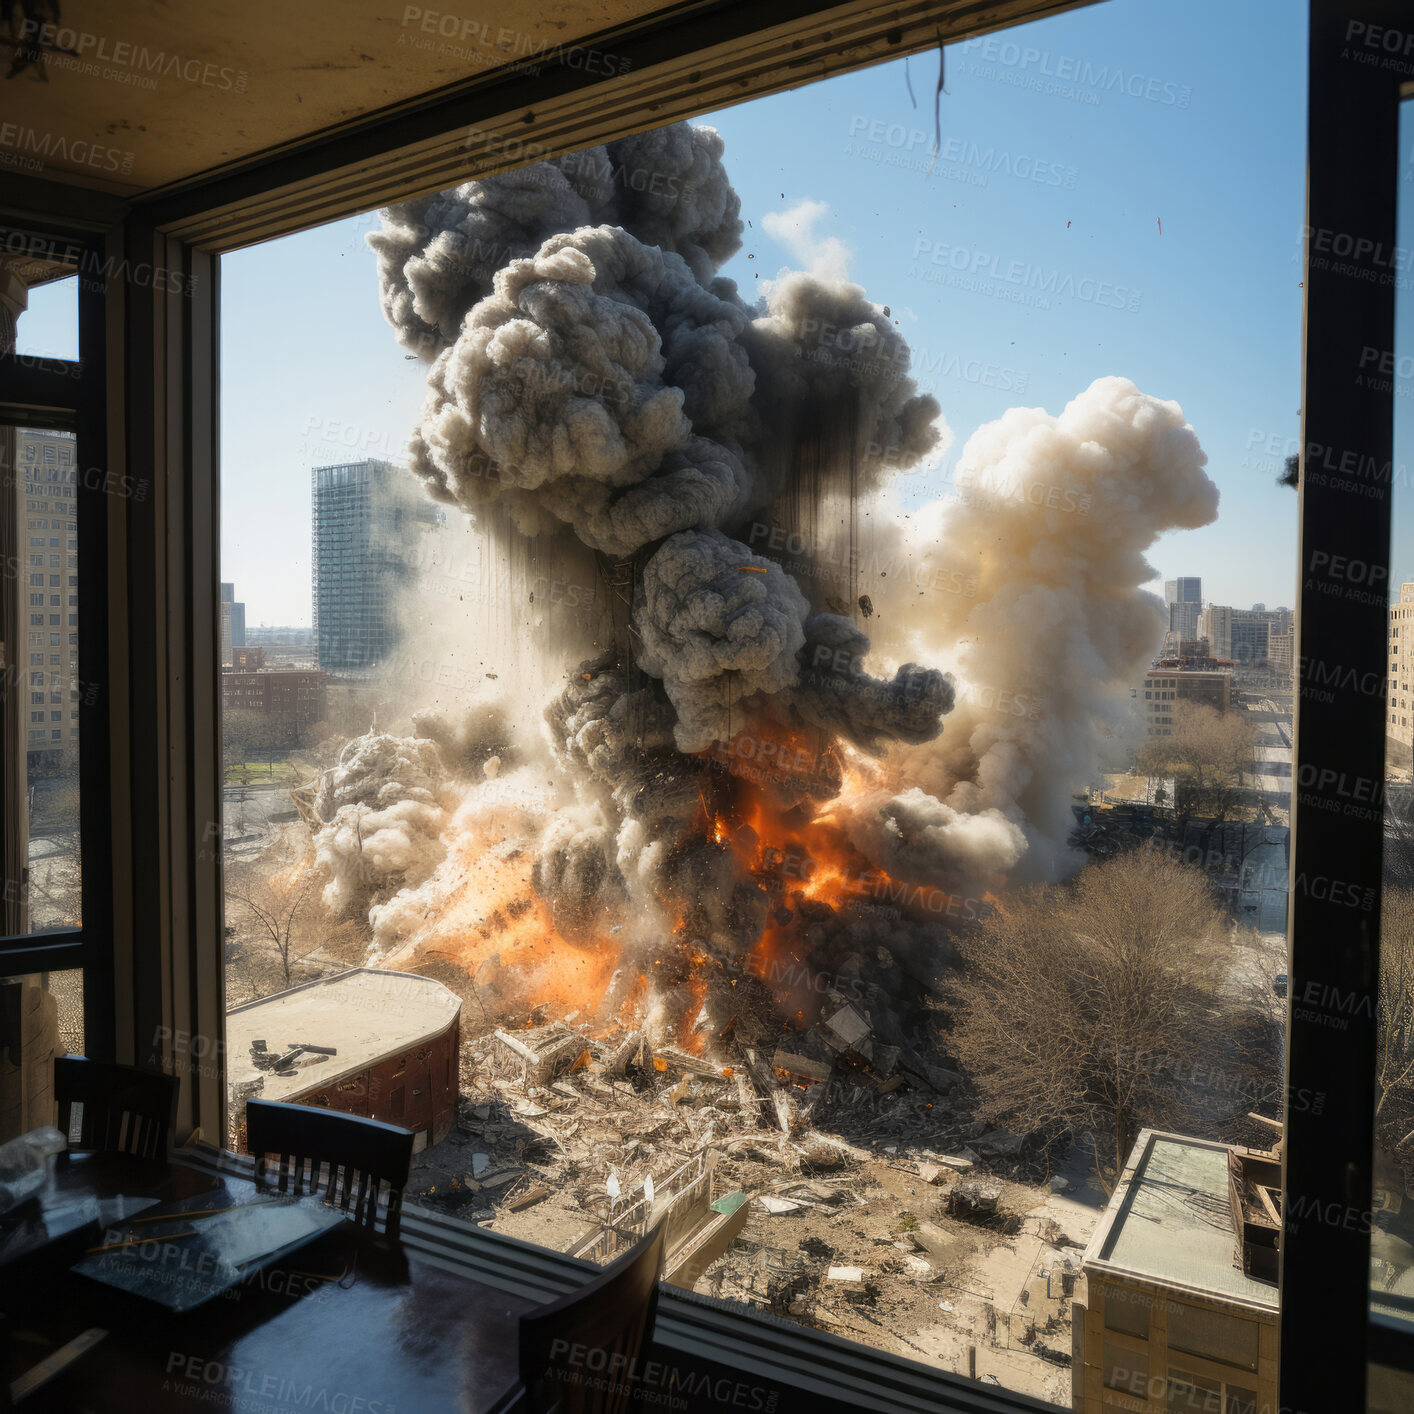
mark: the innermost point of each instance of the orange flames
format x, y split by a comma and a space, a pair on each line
525, 966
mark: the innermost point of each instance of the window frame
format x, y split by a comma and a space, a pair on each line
64, 395
162, 385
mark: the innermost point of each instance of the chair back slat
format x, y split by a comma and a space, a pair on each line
340, 1150
121, 1109
605, 1326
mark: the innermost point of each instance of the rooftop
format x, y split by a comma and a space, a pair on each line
365, 1015
1169, 1220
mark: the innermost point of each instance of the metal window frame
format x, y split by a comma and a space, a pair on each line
63, 395
162, 389
1338, 765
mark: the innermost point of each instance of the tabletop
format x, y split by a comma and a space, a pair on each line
350, 1324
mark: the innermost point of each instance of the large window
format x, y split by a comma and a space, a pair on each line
54, 954
1391, 1217
790, 641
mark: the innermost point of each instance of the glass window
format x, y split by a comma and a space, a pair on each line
1127, 1310
1126, 1370
1192, 1394
825, 836
51, 755
1391, 1268
1213, 1333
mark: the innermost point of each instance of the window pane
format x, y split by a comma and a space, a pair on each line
49, 327
49, 687
1126, 1370
1127, 1310
1192, 1394
1239, 1401
1391, 1269
1213, 1334
754, 666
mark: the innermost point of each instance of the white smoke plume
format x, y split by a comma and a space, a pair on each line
825, 256
1027, 583
383, 809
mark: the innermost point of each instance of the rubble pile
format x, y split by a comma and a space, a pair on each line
561, 1105
864, 1185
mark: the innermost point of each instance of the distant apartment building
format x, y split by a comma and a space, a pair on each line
1281, 649
1180, 1309
1165, 687
1250, 636
1247, 635
368, 517
1399, 689
48, 660
1184, 598
292, 700
232, 622
248, 660
283, 636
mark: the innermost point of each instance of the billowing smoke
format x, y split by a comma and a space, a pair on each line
380, 815
592, 376
1027, 582
438, 255
595, 373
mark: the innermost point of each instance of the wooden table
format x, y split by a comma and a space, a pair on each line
351, 1324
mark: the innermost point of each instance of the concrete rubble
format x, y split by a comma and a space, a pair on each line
859, 1187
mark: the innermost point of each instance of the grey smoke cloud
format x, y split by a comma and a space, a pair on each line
719, 625
606, 379
591, 372
438, 255
836, 694
383, 812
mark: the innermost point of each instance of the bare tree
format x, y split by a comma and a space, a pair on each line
1109, 1004
243, 732
278, 897
55, 870
1399, 838
1394, 1077
1206, 755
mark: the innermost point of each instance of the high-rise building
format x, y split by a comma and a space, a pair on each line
232, 621
48, 661
1185, 603
1399, 690
1251, 632
1242, 634
367, 517
228, 596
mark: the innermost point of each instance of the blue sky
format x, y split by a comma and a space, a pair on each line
1172, 179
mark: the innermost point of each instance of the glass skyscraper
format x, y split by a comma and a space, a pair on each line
367, 517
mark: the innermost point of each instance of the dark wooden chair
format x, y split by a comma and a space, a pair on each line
581, 1353
348, 1158
122, 1109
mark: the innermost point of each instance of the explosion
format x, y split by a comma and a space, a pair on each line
735, 768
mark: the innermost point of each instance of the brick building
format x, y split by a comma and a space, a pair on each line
1165, 687
293, 699
387, 1050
